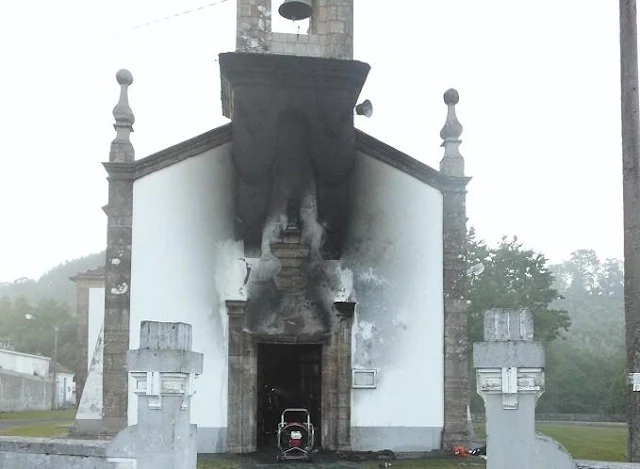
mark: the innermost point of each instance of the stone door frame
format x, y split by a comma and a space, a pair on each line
242, 404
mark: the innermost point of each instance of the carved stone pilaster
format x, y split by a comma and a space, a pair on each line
243, 383
336, 381
84, 282
456, 344
119, 212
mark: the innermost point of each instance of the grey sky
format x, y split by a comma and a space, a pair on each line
539, 100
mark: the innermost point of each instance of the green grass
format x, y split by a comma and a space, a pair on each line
48, 430
588, 441
602, 443
68, 414
207, 461
448, 463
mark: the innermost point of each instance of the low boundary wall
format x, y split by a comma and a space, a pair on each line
20, 391
33, 453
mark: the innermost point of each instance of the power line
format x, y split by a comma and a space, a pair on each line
182, 13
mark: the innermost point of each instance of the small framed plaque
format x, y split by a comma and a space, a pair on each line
365, 378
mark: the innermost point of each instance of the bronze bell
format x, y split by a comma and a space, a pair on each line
296, 10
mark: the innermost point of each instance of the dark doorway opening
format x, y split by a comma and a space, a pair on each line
289, 376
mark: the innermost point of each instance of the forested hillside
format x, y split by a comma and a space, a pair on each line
54, 284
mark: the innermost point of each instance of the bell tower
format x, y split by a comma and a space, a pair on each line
330, 32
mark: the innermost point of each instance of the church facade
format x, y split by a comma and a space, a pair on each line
316, 264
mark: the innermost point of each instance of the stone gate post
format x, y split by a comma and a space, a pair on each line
510, 378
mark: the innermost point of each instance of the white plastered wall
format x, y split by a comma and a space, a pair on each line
185, 264
394, 258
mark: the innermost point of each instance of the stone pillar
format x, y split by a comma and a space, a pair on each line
336, 381
332, 22
243, 383
456, 344
164, 369
510, 379
84, 282
253, 26
343, 350
118, 263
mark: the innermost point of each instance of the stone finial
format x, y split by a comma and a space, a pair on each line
452, 162
121, 148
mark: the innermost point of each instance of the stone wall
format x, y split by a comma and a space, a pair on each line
19, 391
606, 465
330, 32
554, 417
28, 453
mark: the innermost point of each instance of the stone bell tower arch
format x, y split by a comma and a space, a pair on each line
330, 30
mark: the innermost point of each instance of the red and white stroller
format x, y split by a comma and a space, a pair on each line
295, 438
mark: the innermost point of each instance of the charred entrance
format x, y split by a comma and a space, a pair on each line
289, 376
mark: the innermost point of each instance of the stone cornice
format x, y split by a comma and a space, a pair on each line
452, 184
92, 275
120, 171
184, 150
239, 70
399, 160
224, 134
170, 156
345, 309
236, 307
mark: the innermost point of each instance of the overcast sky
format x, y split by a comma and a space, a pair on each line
539, 101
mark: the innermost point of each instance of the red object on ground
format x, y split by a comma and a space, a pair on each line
460, 451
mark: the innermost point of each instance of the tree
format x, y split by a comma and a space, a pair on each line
55, 283
590, 356
36, 335
514, 277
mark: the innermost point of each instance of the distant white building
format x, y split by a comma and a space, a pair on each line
19, 362
66, 387
25, 383
34, 371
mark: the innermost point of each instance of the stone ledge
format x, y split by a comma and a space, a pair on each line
586, 464
523, 354
165, 361
96, 448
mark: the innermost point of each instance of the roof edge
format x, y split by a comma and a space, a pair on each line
175, 153
405, 163
97, 273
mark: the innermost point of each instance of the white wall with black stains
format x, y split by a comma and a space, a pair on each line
185, 264
393, 268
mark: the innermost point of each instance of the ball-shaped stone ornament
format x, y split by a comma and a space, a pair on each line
124, 77
451, 96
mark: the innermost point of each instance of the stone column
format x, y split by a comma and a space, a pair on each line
243, 382
164, 369
253, 26
510, 379
336, 382
343, 351
84, 282
456, 344
332, 23
118, 263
